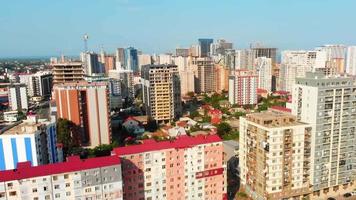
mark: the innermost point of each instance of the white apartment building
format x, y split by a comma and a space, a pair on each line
263, 67
294, 64
274, 152
328, 104
93, 178
31, 141
243, 87
351, 61
18, 99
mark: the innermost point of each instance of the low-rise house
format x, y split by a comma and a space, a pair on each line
215, 115
133, 126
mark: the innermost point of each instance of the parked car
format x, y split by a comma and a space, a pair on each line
331, 198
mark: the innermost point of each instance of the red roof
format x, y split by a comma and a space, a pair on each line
281, 108
183, 141
280, 92
259, 91
181, 123
25, 170
215, 112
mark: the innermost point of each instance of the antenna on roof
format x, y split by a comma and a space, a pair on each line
85, 39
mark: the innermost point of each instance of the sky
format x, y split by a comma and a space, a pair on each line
54, 27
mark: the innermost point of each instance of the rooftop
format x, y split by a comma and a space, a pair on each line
25, 170
273, 118
26, 127
180, 142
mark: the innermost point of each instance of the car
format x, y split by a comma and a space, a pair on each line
353, 193
346, 195
331, 198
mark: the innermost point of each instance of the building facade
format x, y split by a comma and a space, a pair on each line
18, 98
351, 61
328, 104
243, 87
67, 72
93, 178
161, 92
204, 47
184, 168
205, 75
263, 67
87, 106
131, 59
274, 156
35, 142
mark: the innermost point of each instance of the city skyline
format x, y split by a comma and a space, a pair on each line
121, 23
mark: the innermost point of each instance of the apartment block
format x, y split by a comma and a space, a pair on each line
93, 178
87, 106
38, 84
18, 98
67, 72
161, 92
243, 87
31, 140
263, 67
205, 75
274, 156
328, 103
186, 168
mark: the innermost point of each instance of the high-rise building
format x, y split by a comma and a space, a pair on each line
144, 59
204, 47
263, 68
182, 52
165, 59
161, 92
243, 59
67, 72
87, 106
120, 57
294, 64
182, 168
274, 154
93, 178
258, 51
18, 98
328, 104
31, 141
194, 50
230, 59
125, 77
243, 87
131, 59
38, 84
351, 61
92, 66
335, 58
109, 63
205, 75
187, 72
220, 47
221, 78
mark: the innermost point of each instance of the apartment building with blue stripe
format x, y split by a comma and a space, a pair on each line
29, 141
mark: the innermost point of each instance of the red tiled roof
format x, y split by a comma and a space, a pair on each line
281, 108
181, 124
215, 111
25, 170
183, 141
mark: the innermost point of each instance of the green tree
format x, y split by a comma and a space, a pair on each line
194, 114
67, 135
223, 129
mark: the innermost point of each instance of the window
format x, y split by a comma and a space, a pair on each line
55, 178
56, 187
34, 190
57, 195
13, 193
67, 184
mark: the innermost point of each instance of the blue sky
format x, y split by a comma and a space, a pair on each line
52, 27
